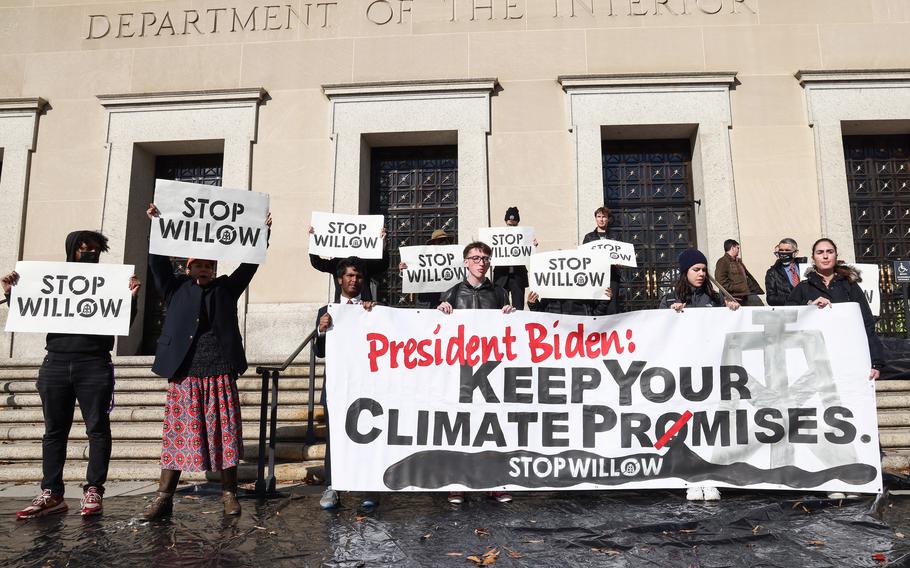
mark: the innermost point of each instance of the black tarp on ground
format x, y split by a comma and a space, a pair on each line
657, 528
897, 358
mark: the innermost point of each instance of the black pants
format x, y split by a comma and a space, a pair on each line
62, 380
516, 292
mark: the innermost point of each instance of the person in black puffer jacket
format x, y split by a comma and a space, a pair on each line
828, 282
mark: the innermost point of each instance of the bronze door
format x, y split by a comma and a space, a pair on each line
878, 182
416, 188
648, 188
205, 169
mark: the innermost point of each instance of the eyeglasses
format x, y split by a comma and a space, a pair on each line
479, 259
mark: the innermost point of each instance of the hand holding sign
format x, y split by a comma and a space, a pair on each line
512, 246
431, 268
201, 221
334, 235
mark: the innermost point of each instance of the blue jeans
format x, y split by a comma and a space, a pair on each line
62, 380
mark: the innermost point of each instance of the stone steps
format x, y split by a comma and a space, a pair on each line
286, 413
122, 432
134, 450
74, 471
247, 399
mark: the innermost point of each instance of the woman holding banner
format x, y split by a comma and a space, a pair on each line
200, 352
828, 282
694, 290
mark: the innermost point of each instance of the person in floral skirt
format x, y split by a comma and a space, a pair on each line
200, 352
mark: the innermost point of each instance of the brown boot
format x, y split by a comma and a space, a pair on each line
163, 505
229, 491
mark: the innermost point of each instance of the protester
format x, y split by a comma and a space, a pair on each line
371, 268
694, 290
349, 278
602, 218
429, 300
572, 307
828, 282
476, 292
201, 353
733, 275
77, 367
783, 276
513, 279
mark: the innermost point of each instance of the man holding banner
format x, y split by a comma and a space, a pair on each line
77, 366
201, 353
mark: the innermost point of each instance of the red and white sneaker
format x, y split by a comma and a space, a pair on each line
45, 504
500, 496
91, 502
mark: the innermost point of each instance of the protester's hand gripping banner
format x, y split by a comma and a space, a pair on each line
478, 400
512, 246
202, 221
619, 253
338, 235
575, 274
71, 297
431, 268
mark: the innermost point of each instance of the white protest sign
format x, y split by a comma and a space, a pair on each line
575, 274
478, 400
203, 221
71, 297
337, 235
870, 286
620, 253
512, 246
431, 268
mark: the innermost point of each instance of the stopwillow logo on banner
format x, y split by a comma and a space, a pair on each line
479, 400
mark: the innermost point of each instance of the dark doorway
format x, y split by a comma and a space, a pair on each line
648, 188
201, 168
416, 188
878, 182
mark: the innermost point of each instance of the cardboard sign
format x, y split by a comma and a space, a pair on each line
870, 286
575, 274
620, 253
431, 268
479, 400
71, 297
338, 236
202, 221
512, 246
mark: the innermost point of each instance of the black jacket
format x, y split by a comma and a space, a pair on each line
501, 275
700, 299
573, 307
184, 301
371, 268
595, 236
463, 296
843, 288
777, 285
97, 345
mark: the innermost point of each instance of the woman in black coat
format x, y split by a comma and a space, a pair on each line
200, 353
828, 282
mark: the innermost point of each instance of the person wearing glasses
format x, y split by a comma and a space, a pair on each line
476, 292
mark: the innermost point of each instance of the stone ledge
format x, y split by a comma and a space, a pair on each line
648, 80
244, 95
460, 86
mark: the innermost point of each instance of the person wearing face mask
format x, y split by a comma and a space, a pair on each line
200, 353
783, 276
77, 367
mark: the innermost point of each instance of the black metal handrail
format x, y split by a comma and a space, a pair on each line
265, 486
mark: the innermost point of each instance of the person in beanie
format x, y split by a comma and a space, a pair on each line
77, 367
694, 290
513, 279
429, 300
200, 352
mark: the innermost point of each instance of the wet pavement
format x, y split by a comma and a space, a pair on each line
610, 528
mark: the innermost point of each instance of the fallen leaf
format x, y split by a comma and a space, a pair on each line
426, 536
481, 532
209, 512
756, 529
899, 535
537, 541
688, 531
273, 532
475, 559
607, 551
454, 553
489, 557
191, 497
879, 557
513, 553
816, 543
258, 528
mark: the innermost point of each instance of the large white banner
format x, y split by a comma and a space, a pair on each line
202, 221
512, 246
575, 274
479, 400
71, 297
620, 253
431, 268
338, 235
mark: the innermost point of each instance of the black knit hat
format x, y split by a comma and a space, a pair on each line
512, 214
689, 258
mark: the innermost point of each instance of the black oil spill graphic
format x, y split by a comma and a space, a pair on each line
432, 469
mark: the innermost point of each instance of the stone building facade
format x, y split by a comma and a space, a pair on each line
695, 120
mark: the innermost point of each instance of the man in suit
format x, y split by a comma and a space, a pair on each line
783, 276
